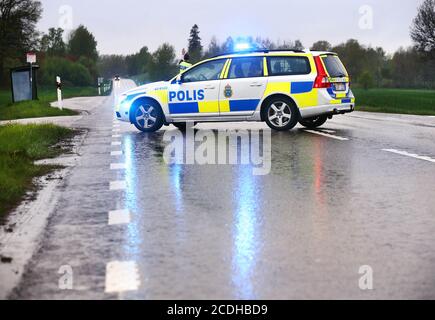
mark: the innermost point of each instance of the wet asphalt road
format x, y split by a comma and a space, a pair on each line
327, 208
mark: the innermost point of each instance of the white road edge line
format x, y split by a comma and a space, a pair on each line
116, 153
122, 277
118, 217
118, 185
118, 166
327, 135
411, 155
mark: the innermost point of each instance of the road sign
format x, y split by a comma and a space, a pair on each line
31, 57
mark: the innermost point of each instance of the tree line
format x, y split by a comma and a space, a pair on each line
411, 67
78, 62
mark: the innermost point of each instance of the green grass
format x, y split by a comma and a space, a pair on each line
20, 146
32, 109
418, 102
41, 107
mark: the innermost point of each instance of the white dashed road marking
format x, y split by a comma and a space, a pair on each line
116, 130
327, 135
118, 217
118, 185
411, 155
328, 131
116, 153
116, 136
122, 277
118, 166
116, 143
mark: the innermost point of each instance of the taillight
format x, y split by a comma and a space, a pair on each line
322, 79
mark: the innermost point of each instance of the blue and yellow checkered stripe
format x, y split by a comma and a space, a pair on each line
214, 106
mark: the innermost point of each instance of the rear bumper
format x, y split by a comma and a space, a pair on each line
330, 110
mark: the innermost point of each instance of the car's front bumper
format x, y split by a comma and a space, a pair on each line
122, 111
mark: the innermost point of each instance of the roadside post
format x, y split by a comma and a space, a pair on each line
31, 59
59, 92
100, 82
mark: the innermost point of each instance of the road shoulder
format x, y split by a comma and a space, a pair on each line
21, 237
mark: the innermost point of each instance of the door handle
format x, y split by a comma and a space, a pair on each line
209, 87
256, 84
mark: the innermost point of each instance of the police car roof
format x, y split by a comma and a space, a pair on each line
271, 52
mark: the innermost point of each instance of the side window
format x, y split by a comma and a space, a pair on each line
246, 68
286, 66
205, 72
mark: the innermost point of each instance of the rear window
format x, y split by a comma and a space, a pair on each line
286, 66
334, 67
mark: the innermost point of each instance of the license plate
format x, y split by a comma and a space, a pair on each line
340, 87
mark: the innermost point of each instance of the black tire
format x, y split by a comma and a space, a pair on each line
147, 116
315, 122
281, 114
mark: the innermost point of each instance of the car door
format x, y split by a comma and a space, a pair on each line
243, 87
197, 93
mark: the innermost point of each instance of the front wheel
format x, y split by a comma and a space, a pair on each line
148, 116
281, 114
315, 122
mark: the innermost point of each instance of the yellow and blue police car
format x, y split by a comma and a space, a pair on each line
280, 88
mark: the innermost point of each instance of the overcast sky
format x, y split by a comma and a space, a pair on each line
124, 26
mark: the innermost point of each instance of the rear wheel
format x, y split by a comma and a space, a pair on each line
148, 116
315, 122
281, 114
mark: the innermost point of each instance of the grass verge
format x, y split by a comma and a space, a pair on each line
41, 107
32, 109
418, 102
20, 146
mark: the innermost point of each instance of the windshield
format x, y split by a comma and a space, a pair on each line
334, 67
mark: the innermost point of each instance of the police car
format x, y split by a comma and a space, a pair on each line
280, 88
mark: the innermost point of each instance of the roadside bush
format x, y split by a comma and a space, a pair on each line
366, 80
71, 72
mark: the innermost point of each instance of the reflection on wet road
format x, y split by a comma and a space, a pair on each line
327, 207
304, 230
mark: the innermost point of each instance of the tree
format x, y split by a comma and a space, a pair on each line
72, 73
195, 46
353, 56
214, 48
139, 63
82, 43
265, 43
228, 45
18, 19
52, 43
163, 64
321, 45
366, 80
407, 68
290, 45
298, 45
423, 29
112, 65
